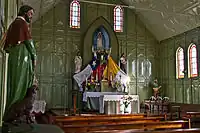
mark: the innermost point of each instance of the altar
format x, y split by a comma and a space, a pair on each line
104, 84
111, 102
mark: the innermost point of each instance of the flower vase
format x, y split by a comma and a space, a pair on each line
127, 109
122, 107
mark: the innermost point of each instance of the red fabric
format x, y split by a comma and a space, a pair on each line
17, 32
99, 71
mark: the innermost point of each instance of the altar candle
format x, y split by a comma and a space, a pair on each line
97, 76
91, 78
101, 57
110, 76
86, 81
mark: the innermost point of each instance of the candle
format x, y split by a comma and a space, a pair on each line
97, 76
101, 57
91, 78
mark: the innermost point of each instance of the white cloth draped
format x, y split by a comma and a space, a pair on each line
39, 106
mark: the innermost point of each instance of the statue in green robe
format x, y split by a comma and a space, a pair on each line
156, 87
22, 57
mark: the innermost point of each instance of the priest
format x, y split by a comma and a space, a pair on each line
22, 57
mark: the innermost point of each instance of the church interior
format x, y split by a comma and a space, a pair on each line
112, 65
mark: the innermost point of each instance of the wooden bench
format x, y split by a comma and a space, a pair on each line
192, 114
194, 118
108, 116
184, 108
72, 123
101, 117
195, 130
125, 125
84, 117
69, 120
89, 121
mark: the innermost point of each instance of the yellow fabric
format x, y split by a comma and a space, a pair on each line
111, 69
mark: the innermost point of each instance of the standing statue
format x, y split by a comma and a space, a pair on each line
156, 87
123, 62
99, 41
22, 59
78, 62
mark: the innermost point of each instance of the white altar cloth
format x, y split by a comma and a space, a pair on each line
98, 94
119, 98
111, 96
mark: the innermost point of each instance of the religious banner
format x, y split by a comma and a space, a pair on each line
114, 74
86, 73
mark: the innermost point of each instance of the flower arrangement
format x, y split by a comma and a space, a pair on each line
126, 100
91, 84
118, 85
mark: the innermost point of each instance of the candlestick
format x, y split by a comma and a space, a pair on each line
101, 57
91, 78
97, 76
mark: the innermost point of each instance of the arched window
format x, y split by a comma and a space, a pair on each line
192, 61
118, 19
75, 14
179, 63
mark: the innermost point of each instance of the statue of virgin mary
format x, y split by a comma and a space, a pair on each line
99, 41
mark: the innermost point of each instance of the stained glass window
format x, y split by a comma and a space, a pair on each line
118, 19
192, 61
179, 63
75, 14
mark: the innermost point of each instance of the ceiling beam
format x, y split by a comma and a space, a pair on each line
191, 7
102, 3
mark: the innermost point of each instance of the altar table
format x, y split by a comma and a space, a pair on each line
115, 97
134, 104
